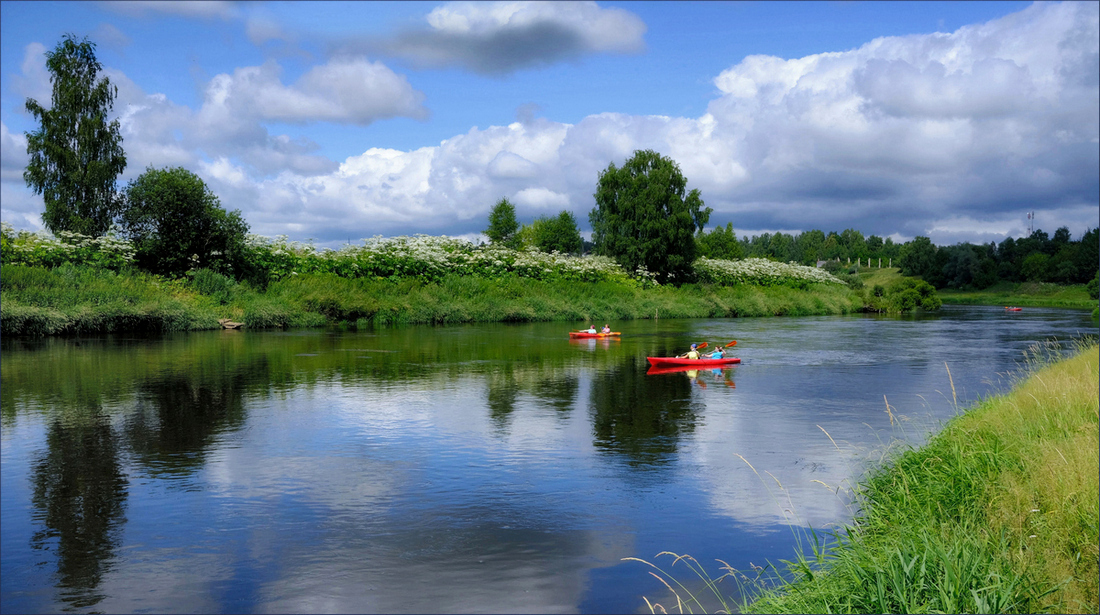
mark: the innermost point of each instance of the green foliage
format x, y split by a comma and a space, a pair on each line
1035, 267
918, 257
644, 219
908, 294
1094, 287
71, 299
502, 224
430, 259
76, 155
721, 243
176, 224
40, 249
761, 272
558, 234
220, 288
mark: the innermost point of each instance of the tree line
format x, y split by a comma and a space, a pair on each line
1037, 258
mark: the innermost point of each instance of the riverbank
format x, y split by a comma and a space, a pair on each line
72, 299
997, 513
1020, 294
1023, 294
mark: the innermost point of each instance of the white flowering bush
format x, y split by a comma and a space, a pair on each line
46, 250
421, 256
761, 272
431, 258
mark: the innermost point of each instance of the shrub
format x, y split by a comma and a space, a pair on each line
910, 293
42, 249
219, 287
761, 272
177, 224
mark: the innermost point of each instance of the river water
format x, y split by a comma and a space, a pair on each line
482, 468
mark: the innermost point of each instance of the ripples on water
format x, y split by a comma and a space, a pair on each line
489, 468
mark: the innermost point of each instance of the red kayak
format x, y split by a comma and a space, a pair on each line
678, 362
1013, 309
587, 334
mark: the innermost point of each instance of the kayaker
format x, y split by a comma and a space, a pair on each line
691, 354
591, 329
718, 353
606, 329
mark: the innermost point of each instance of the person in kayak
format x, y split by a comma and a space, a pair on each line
590, 329
606, 329
691, 354
718, 353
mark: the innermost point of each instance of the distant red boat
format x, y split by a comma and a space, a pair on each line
1013, 309
587, 334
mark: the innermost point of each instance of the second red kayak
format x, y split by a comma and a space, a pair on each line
670, 361
587, 334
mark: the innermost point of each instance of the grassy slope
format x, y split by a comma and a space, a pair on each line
68, 299
1024, 294
997, 513
1027, 294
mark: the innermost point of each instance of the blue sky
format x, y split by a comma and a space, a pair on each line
338, 121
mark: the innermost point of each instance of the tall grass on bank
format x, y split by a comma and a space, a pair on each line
82, 299
459, 299
998, 513
74, 299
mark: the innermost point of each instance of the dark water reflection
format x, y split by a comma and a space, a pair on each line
495, 468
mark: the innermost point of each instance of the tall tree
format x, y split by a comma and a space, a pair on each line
918, 257
644, 218
502, 224
76, 154
720, 243
559, 233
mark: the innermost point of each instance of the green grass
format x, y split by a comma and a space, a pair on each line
1023, 294
884, 276
80, 299
998, 513
1020, 294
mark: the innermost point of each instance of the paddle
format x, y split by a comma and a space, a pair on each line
731, 344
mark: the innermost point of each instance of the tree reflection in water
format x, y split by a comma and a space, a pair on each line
79, 497
177, 415
639, 417
501, 397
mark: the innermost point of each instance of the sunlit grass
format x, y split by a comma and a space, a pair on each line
1025, 294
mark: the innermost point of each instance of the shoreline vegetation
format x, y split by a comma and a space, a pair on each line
80, 300
997, 513
73, 284
76, 284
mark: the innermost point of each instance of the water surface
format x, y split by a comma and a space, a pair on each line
484, 468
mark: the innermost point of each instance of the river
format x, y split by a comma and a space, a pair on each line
481, 468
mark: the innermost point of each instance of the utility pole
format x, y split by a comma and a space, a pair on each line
1030, 223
